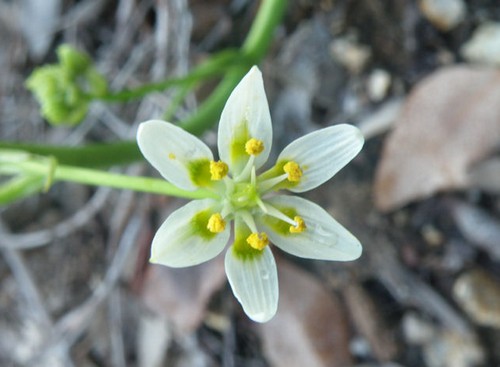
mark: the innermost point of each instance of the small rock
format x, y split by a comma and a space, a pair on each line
432, 235
452, 349
478, 294
416, 330
441, 347
350, 54
378, 84
484, 45
443, 14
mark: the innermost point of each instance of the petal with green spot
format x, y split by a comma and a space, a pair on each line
323, 239
180, 157
184, 240
322, 153
254, 281
246, 115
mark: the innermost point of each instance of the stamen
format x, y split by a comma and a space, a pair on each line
216, 223
293, 170
273, 212
249, 221
258, 240
261, 205
254, 146
267, 185
171, 156
218, 170
300, 227
247, 171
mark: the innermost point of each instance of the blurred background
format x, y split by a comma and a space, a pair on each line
419, 78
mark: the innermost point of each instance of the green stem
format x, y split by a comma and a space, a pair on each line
92, 155
216, 65
100, 178
253, 50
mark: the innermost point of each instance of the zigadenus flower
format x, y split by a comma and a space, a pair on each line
200, 230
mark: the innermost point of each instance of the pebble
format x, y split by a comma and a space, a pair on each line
443, 14
484, 45
478, 293
378, 84
352, 55
442, 347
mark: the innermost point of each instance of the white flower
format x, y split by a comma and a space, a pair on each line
200, 230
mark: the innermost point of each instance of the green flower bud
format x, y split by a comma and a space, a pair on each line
73, 61
65, 90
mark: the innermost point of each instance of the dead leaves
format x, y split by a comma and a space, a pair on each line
182, 295
310, 328
450, 121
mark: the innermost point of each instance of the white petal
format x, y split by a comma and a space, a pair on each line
254, 281
323, 239
321, 154
170, 149
179, 243
245, 115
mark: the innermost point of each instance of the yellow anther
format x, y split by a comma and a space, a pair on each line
216, 224
300, 227
293, 170
258, 240
254, 146
218, 170
171, 155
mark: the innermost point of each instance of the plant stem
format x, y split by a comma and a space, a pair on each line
216, 65
91, 155
100, 178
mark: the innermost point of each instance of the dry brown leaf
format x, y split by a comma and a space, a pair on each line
450, 121
370, 322
310, 327
182, 295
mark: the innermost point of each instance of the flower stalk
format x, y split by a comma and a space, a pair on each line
46, 169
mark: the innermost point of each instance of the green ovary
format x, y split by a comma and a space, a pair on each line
244, 196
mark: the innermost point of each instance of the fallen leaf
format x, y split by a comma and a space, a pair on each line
370, 323
450, 121
182, 295
310, 327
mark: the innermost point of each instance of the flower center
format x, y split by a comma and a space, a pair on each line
244, 195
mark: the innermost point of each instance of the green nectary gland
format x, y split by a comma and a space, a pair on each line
199, 172
199, 225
